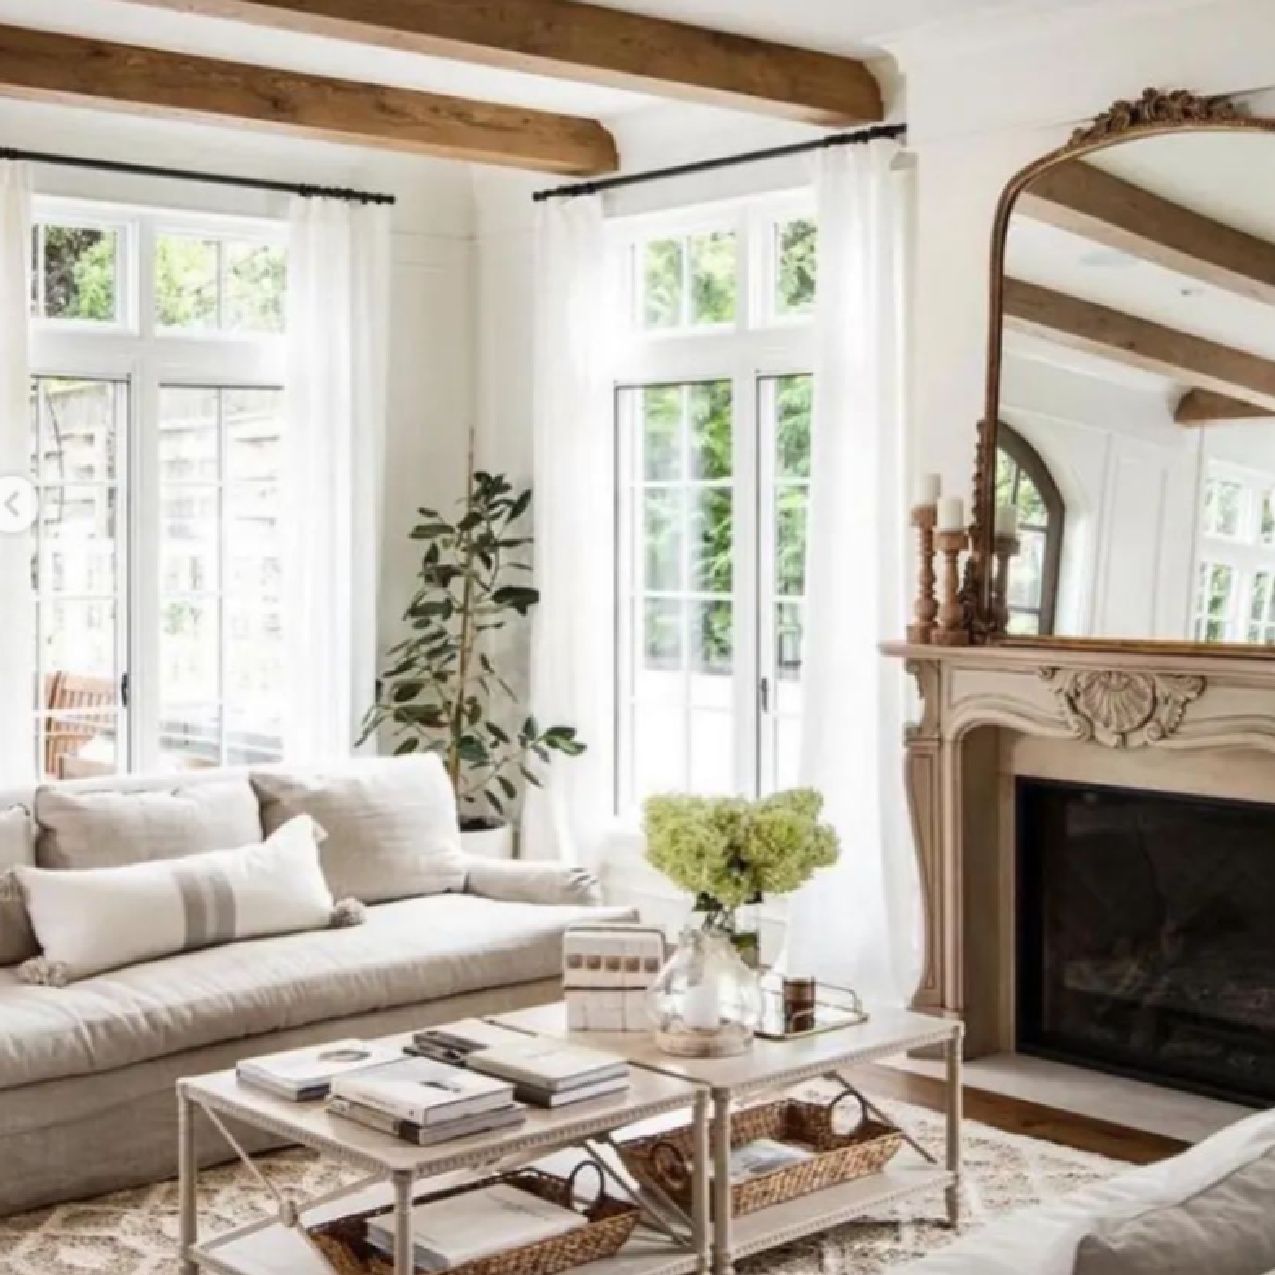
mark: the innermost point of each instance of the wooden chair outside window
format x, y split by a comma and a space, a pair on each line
79, 710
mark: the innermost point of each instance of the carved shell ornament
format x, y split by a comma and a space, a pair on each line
1154, 109
1120, 708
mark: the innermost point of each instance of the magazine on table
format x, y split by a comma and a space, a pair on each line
303, 1075
474, 1224
548, 1065
762, 1156
423, 1091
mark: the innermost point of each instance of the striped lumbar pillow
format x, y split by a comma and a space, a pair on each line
103, 918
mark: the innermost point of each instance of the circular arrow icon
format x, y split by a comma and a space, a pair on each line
19, 504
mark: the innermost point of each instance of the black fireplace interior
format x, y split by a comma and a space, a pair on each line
1146, 936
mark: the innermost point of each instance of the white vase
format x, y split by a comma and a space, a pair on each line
489, 843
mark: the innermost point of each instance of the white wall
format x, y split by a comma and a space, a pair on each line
432, 356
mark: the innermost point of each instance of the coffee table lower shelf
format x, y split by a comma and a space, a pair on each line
276, 1250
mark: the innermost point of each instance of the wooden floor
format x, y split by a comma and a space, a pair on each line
1014, 1115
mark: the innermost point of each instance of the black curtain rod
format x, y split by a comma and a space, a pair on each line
181, 174
722, 161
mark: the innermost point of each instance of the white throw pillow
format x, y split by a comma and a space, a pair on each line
391, 824
109, 829
17, 846
103, 918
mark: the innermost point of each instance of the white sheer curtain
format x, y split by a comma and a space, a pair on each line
338, 336
17, 603
571, 662
858, 923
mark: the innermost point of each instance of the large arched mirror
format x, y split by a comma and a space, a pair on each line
1131, 389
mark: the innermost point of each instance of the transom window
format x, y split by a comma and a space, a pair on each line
157, 427
713, 418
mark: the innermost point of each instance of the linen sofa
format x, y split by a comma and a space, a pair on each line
88, 1070
1204, 1212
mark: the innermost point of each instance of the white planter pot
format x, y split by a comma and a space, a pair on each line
489, 843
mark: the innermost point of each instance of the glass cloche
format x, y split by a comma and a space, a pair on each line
706, 1003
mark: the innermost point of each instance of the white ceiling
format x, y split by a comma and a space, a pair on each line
862, 28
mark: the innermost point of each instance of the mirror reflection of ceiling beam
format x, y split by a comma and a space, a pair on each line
1084, 200
1203, 407
1122, 338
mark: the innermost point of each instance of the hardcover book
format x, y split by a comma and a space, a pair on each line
423, 1091
302, 1075
548, 1065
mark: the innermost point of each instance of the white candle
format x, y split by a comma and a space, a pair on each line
1007, 521
951, 513
925, 495
702, 1008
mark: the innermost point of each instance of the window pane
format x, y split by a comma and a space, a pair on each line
77, 428
791, 512
187, 283
1222, 504
712, 435
79, 643
712, 540
789, 635
254, 434
713, 270
662, 634
662, 539
190, 736
78, 539
79, 743
1026, 572
255, 568
254, 684
662, 408
77, 272
1031, 505
256, 285
190, 654
659, 751
712, 754
795, 248
190, 540
662, 283
794, 397
189, 439
713, 647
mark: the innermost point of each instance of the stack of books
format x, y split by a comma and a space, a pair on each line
463, 1228
544, 1073
304, 1075
425, 1102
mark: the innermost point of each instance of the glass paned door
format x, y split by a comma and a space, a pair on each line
79, 436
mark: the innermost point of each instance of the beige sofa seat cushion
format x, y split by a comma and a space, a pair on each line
17, 849
80, 829
1227, 1228
407, 952
391, 824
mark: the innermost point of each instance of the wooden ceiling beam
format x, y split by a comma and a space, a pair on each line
590, 43
1203, 407
1122, 338
1086, 201
45, 66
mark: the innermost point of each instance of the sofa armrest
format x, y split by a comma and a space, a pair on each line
517, 881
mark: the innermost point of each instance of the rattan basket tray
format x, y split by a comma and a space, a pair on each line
610, 1223
664, 1161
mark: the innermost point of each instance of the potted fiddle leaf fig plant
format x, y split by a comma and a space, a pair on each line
442, 691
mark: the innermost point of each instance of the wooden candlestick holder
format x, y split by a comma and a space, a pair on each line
1005, 548
952, 629
926, 608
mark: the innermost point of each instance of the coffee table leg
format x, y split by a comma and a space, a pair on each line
700, 1207
404, 1256
722, 1205
955, 1105
187, 1182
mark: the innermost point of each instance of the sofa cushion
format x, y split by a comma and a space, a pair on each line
17, 847
110, 829
1226, 1229
105, 918
406, 953
391, 824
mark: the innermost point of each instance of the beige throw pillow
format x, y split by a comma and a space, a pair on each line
80, 830
17, 846
103, 918
391, 824
1226, 1229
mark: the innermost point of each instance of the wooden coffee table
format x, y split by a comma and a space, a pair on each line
392, 1171
772, 1065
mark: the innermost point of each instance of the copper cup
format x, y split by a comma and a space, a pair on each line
799, 1005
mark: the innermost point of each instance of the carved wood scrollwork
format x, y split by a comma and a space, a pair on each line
1122, 708
1156, 109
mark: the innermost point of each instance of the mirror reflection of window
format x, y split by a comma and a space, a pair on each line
1024, 482
1235, 562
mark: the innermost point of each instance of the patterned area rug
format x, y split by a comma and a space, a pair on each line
134, 1232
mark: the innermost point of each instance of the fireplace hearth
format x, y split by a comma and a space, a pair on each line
1146, 935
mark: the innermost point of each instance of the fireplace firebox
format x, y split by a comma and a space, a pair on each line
1146, 936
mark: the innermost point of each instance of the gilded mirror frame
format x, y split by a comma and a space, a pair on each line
1156, 113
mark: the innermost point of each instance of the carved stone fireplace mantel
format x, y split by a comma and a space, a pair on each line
1200, 724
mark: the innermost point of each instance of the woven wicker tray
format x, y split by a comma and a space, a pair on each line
664, 1161
610, 1223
